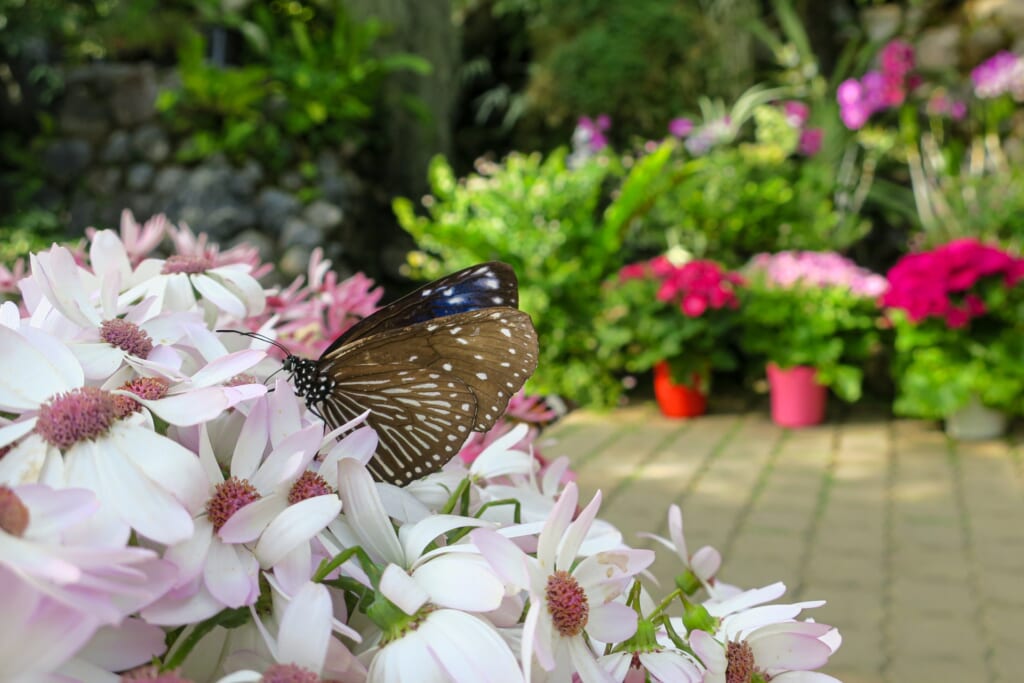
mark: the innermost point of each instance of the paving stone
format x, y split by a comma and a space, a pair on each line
1007, 660
918, 549
849, 569
862, 650
914, 669
934, 598
925, 637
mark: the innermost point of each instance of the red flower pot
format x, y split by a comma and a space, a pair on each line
797, 398
678, 400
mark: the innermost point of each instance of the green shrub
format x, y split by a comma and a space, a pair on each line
309, 80
557, 228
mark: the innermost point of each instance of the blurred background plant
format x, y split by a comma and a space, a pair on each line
555, 225
304, 77
716, 128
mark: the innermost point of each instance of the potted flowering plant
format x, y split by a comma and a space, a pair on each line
673, 318
958, 312
813, 318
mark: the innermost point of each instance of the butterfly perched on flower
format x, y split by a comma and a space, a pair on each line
431, 367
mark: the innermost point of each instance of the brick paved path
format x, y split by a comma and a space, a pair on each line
916, 542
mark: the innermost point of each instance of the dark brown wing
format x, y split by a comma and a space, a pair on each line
429, 384
485, 285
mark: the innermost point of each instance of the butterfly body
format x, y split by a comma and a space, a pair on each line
432, 367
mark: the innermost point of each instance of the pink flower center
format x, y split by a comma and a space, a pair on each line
229, 497
13, 513
186, 264
153, 675
740, 666
149, 388
567, 603
78, 415
126, 336
308, 485
289, 673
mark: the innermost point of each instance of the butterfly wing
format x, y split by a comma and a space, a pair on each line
485, 285
429, 384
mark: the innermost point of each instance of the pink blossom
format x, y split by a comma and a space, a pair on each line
810, 141
680, 127
796, 113
933, 283
998, 75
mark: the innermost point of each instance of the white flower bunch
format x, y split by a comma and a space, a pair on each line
166, 517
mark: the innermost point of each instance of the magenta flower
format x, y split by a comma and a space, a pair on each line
594, 130
998, 75
810, 141
680, 127
796, 113
937, 283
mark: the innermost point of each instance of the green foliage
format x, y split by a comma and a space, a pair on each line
740, 201
556, 227
641, 62
308, 80
827, 328
635, 331
939, 369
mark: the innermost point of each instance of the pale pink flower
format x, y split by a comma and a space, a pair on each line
265, 514
568, 601
9, 277
444, 644
302, 637
71, 435
767, 640
188, 244
44, 549
703, 564
60, 585
128, 645
197, 282
667, 665
139, 240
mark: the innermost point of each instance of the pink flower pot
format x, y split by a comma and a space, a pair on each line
797, 398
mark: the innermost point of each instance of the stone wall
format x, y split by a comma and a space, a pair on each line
110, 150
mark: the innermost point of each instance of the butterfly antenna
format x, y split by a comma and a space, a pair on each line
259, 337
271, 375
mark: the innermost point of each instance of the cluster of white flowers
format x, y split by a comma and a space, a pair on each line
166, 517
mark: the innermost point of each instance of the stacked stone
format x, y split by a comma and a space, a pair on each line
112, 151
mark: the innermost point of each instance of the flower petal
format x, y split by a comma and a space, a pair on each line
172, 466
399, 588
585, 664
505, 557
226, 367
296, 525
34, 367
613, 622
230, 574
306, 627
786, 651
460, 581
365, 512
219, 295
575, 534
416, 537
138, 500
248, 522
557, 522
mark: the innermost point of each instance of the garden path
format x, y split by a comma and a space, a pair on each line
916, 542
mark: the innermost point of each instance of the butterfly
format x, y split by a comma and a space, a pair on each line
432, 367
